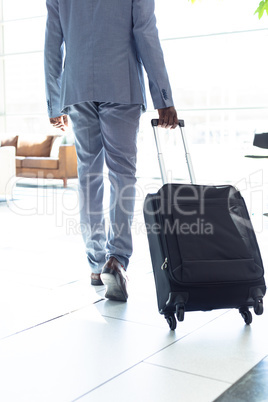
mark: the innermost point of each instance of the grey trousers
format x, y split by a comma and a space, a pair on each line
106, 132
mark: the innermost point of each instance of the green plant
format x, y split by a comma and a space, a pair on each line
263, 6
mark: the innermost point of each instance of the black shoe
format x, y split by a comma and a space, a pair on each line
96, 280
114, 278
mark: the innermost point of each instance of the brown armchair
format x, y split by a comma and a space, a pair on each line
36, 157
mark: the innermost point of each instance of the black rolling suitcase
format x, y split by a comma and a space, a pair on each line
203, 247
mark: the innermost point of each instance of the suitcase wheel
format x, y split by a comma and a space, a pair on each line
180, 312
171, 320
246, 314
258, 306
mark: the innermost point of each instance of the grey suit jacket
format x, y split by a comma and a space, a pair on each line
95, 49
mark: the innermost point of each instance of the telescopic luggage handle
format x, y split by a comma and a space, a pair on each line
155, 122
181, 125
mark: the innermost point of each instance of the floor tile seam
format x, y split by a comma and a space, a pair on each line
170, 344
138, 322
109, 380
184, 336
25, 284
129, 368
130, 321
54, 288
208, 322
189, 373
31, 274
254, 365
181, 337
151, 325
139, 364
70, 283
158, 326
47, 321
240, 379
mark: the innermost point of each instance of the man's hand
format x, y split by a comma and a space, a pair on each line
59, 122
168, 117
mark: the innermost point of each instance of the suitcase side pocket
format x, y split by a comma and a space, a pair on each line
219, 271
211, 246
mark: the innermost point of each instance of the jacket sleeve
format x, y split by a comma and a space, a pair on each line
53, 58
150, 52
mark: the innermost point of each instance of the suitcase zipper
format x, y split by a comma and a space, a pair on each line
165, 264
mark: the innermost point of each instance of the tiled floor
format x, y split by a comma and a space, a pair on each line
62, 341
253, 386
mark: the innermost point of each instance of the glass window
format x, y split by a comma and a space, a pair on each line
2, 124
216, 57
218, 71
24, 77
24, 36
29, 124
182, 18
17, 9
2, 88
